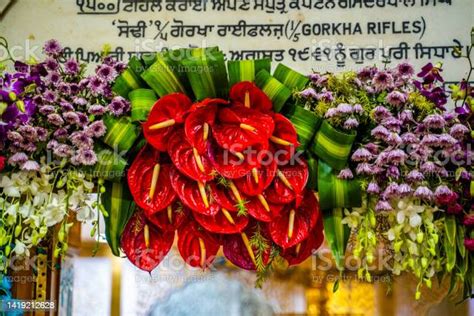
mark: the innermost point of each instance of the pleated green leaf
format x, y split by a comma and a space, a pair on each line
119, 204
110, 166
290, 78
333, 146
246, 70
306, 123
207, 75
121, 133
163, 77
337, 235
274, 89
313, 171
450, 241
142, 100
130, 78
335, 192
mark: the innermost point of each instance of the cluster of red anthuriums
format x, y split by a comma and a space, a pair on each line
216, 171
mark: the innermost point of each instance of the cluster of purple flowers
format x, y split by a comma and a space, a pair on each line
411, 148
55, 105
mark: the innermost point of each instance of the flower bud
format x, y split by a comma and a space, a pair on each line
419, 237
8, 249
12, 96
417, 295
61, 235
428, 283
424, 262
20, 105
3, 107
17, 230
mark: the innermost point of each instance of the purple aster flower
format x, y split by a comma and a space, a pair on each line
423, 193
366, 73
42, 133
330, 113
406, 116
74, 88
373, 148
63, 151
396, 156
66, 106
434, 121
71, 67
63, 88
325, 96
96, 129
444, 195
393, 172
96, 109
79, 101
81, 140
51, 64
71, 117
363, 168
393, 139
390, 191
382, 158
322, 80
373, 188
414, 176
383, 206
381, 113
446, 140
46, 109
430, 140
351, 123
60, 133
30, 165
308, 93
14, 136
52, 144
409, 138
405, 70
344, 108
49, 96
96, 85
17, 159
85, 157
55, 119
314, 77
404, 189
345, 174
83, 119
361, 155
118, 106
458, 131
106, 72
396, 98
357, 108
28, 132
382, 80
120, 67
52, 48
380, 132
53, 77
393, 124
428, 168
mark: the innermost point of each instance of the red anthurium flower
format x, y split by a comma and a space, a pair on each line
294, 224
197, 247
198, 127
2, 163
170, 218
233, 165
224, 222
144, 244
188, 160
260, 209
227, 196
209, 102
193, 194
149, 181
259, 178
288, 184
299, 253
167, 112
284, 138
247, 94
238, 250
238, 128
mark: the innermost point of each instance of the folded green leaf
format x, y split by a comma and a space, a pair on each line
121, 133
450, 242
130, 78
274, 89
313, 171
306, 123
162, 76
120, 206
141, 100
335, 192
245, 70
337, 235
333, 146
290, 78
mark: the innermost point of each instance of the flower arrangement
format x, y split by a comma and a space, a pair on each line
52, 126
405, 153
